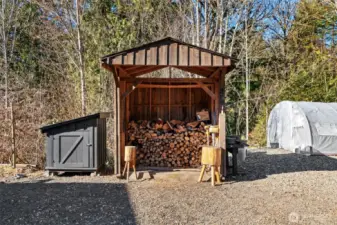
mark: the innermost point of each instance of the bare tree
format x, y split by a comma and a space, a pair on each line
221, 25
8, 14
69, 18
247, 74
80, 57
198, 22
206, 24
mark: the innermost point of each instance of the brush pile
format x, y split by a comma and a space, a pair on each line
167, 144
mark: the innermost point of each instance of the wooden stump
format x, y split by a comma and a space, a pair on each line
130, 161
211, 156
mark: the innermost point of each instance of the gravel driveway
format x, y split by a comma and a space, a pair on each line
274, 187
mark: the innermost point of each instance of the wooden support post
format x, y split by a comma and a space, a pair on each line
216, 102
117, 133
127, 109
169, 98
222, 121
122, 121
13, 137
222, 90
190, 104
169, 102
117, 161
212, 102
150, 102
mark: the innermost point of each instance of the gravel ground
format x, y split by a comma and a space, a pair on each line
274, 187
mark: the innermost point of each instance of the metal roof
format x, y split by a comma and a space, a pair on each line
167, 52
44, 129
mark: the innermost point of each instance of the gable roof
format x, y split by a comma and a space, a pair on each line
164, 53
166, 41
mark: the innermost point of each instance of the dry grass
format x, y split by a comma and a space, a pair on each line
6, 171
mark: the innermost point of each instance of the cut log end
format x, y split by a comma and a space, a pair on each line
168, 144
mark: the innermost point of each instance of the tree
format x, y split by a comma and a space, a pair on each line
9, 13
80, 55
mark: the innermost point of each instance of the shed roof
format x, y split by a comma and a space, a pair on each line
46, 128
167, 52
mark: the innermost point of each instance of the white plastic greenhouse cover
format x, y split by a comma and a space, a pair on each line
308, 127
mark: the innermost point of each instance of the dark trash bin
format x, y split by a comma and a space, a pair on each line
233, 143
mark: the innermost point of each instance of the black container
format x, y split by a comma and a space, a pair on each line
77, 145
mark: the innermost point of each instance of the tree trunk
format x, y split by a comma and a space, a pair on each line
80, 58
4, 51
198, 22
247, 75
225, 37
221, 25
206, 24
193, 24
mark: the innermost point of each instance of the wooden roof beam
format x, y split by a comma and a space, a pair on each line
170, 86
133, 87
206, 68
193, 70
122, 71
206, 89
114, 72
147, 69
172, 80
216, 72
132, 69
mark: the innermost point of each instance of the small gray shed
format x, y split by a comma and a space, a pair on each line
77, 145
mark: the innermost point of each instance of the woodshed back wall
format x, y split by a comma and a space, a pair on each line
167, 104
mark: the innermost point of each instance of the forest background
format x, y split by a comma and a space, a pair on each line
50, 58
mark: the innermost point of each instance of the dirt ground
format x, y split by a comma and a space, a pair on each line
274, 187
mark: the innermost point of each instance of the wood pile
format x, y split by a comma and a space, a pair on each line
167, 144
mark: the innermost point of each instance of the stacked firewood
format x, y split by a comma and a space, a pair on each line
167, 144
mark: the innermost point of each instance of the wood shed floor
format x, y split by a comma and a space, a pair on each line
274, 187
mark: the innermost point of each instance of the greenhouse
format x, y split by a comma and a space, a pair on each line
303, 127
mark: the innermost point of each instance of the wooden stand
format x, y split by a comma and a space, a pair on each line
211, 156
130, 161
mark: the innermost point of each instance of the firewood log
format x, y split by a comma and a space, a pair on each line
193, 124
177, 147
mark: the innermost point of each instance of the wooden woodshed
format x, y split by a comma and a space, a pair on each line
140, 97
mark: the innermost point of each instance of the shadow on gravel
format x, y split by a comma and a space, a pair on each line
259, 165
65, 203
